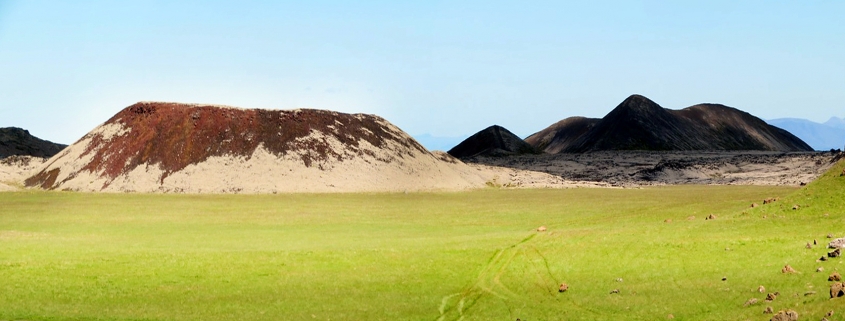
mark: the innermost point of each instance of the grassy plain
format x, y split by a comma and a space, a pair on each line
419, 256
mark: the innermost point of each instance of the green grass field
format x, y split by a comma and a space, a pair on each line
425, 256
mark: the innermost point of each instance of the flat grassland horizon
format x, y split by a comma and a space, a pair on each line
418, 256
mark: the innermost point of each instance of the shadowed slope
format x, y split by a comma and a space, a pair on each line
492, 141
562, 134
19, 142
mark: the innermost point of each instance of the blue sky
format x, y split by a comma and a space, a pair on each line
444, 68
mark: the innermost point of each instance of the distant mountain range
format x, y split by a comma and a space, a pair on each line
826, 136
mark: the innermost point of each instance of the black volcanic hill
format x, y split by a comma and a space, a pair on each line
641, 124
492, 141
560, 135
17, 141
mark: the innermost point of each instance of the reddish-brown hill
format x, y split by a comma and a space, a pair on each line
153, 146
641, 124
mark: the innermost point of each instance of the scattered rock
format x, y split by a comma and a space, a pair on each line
837, 243
820, 269
753, 205
710, 217
768, 310
541, 229
835, 253
837, 290
724, 278
614, 291
770, 200
835, 277
809, 246
795, 207
772, 296
787, 269
829, 313
785, 316
761, 289
823, 258
750, 302
563, 287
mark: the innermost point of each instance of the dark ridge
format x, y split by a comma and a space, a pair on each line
641, 124
561, 135
175, 135
492, 141
19, 142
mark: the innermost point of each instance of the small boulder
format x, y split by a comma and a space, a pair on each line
820, 269
829, 313
835, 253
710, 217
563, 287
823, 258
787, 269
541, 229
769, 200
785, 316
837, 243
750, 302
830, 236
809, 293
724, 278
614, 291
768, 310
795, 207
753, 205
668, 220
772, 296
761, 289
837, 290
835, 277
809, 246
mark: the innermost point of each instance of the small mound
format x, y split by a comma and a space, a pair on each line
172, 147
492, 141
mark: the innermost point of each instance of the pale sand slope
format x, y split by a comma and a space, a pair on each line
14, 169
393, 168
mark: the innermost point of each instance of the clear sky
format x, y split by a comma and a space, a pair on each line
444, 68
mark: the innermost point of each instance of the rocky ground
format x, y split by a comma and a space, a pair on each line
644, 168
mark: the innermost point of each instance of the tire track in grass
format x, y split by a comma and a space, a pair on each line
489, 281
